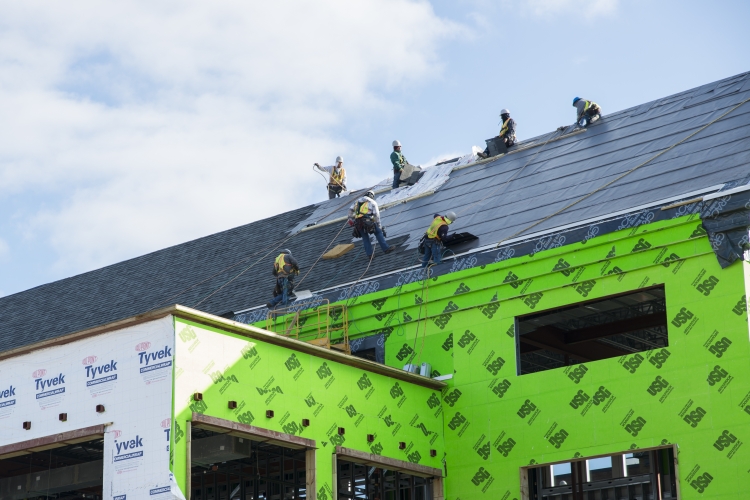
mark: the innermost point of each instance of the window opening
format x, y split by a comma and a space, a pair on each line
68, 471
610, 327
225, 467
359, 481
607, 478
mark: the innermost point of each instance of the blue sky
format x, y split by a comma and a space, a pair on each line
127, 128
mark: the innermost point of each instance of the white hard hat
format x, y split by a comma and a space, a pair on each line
450, 215
339, 159
396, 143
504, 111
370, 194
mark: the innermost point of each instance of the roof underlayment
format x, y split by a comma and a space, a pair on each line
505, 199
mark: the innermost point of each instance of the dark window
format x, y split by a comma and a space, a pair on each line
636, 475
365, 482
619, 325
72, 471
225, 467
366, 354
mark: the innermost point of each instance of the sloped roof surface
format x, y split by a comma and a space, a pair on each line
495, 200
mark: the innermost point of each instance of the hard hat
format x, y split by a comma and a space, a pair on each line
286, 251
370, 193
504, 111
396, 143
450, 215
576, 100
339, 159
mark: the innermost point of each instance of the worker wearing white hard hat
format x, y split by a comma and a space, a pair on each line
336, 177
507, 131
398, 161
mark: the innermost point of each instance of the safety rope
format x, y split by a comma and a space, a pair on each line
518, 172
322, 254
621, 176
274, 247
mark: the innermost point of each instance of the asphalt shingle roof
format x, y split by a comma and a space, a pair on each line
547, 178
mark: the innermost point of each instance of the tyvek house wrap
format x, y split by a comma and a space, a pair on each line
128, 371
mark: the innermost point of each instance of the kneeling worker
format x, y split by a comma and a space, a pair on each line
507, 132
364, 215
285, 268
336, 179
586, 111
436, 235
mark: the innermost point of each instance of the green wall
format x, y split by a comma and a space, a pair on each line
469, 331
224, 366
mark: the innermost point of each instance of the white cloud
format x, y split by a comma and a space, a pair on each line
152, 123
588, 9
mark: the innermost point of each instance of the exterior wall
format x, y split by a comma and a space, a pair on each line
224, 366
469, 332
135, 389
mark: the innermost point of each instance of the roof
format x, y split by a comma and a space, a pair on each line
499, 200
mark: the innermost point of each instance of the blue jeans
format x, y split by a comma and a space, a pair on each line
378, 236
396, 178
432, 248
286, 286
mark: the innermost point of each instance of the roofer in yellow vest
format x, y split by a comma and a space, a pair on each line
336, 177
364, 215
507, 132
436, 235
586, 111
285, 268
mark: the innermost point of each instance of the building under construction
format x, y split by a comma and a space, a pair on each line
586, 338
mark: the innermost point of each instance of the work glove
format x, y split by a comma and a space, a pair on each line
350, 222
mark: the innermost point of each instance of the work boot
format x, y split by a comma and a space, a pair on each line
390, 249
482, 155
269, 305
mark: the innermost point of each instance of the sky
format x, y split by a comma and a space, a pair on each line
131, 126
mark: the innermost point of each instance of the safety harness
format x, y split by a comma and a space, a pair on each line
504, 129
337, 179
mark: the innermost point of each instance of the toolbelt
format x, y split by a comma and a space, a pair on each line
335, 188
362, 226
423, 243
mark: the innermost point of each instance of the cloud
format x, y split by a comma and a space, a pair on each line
589, 9
145, 124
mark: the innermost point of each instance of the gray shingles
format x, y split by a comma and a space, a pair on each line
554, 176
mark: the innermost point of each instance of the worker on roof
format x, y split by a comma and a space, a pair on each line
285, 268
364, 215
336, 177
586, 111
507, 132
398, 161
435, 236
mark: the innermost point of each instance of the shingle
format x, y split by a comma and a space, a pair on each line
553, 176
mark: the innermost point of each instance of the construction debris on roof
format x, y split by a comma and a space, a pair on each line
565, 186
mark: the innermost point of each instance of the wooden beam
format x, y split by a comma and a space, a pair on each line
241, 329
251, 432
52, 441
362, 457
